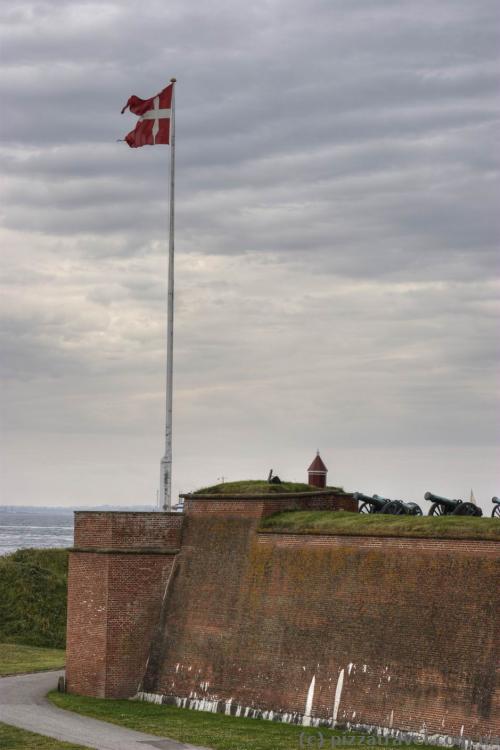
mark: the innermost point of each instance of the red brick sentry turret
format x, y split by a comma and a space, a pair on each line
317, 472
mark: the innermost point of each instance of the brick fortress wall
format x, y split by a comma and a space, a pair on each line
118, 572
260, 506
385, 632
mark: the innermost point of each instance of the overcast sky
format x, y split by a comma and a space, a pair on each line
336, 246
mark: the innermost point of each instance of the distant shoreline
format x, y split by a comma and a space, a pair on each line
71, 508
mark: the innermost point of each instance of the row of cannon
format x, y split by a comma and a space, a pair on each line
440, 506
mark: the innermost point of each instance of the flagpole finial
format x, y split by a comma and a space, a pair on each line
173, 80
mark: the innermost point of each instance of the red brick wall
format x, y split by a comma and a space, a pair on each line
87, 624
398, 633
115, 591
410, 625
127, 530
136, 585
317, 479
259, 506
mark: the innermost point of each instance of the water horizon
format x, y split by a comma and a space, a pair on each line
41, 528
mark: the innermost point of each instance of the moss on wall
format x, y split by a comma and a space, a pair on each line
411, 625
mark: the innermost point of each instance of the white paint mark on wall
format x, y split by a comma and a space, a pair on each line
338, 694
364, 667
306, 721
349, 667
391, 720
213, 705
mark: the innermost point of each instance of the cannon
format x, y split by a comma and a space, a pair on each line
401, 508
444, 506
378, 504
370, 504
410, 508
495, 513
273, 478
414, 509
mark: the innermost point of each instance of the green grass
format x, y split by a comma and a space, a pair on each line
210, 730
16, 659
12, 738
33, 597
256, 487
342, 522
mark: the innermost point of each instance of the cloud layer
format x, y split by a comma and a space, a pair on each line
337, 224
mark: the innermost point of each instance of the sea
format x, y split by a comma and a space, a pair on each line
31, 526
35, 527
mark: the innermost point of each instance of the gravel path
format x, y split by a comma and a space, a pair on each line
23, 704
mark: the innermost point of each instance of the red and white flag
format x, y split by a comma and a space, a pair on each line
154, 119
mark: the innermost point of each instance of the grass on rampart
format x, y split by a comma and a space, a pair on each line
256, 487
210, 730
361, 524
33, 597
12, 738
16, 659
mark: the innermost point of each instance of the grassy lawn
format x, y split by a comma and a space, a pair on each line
15, 659
12, 738
202, 728
341, 522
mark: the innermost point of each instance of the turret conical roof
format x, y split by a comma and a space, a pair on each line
317, 464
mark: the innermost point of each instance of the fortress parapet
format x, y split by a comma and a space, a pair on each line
260, 506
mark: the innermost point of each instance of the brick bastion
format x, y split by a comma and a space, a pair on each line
201, 609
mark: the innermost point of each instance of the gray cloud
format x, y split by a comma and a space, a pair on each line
336, 243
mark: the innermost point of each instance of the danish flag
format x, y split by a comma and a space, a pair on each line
155, 114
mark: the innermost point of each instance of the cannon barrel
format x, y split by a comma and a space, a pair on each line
379, 501
442, 500
362, 498
375, 500
495, 499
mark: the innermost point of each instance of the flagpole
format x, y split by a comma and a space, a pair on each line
166, 461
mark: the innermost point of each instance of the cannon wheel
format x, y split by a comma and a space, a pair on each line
495, 513
467, 509
366, 508
437, 509
394, 508
416, 510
